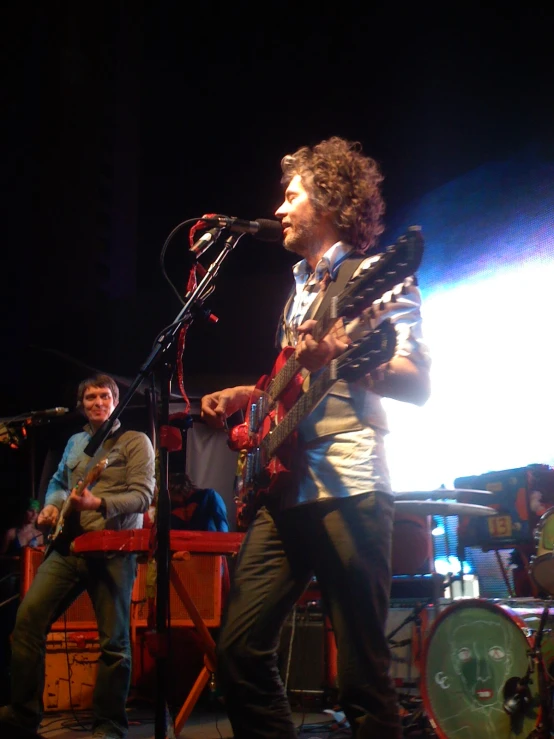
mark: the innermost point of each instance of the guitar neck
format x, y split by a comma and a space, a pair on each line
292, 366
302, 408
362, 357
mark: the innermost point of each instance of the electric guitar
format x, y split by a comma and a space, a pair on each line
381, 273
375, 276
266, 467
60, 529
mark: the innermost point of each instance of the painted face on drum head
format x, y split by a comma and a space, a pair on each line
482, 656
475, 651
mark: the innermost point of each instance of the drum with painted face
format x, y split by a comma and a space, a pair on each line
475, 653
541, 566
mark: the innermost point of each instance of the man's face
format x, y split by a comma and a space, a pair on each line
300, 221
98, 404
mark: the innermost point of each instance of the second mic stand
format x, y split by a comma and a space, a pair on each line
520, 699
162, 355
544, 727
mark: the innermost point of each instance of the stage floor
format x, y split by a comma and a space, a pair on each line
202, 724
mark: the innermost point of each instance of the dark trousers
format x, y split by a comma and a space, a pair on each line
346, 544
58, 581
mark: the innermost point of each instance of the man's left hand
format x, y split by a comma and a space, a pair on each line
314, 354
84, 502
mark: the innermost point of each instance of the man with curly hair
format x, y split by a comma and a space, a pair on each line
335, 521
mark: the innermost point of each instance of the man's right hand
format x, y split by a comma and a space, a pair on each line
216, 407
48, 516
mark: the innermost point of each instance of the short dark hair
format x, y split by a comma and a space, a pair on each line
180, 484
97, 381
341, 180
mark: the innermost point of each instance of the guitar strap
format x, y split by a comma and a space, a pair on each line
336, 285
105, 447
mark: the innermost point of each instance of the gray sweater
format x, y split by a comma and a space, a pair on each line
127, 483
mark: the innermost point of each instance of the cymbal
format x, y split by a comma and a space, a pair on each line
442, 508
438, 494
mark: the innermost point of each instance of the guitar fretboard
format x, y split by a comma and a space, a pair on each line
361, 358
303, 406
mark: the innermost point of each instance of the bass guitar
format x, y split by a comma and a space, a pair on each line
267, 467
60, 530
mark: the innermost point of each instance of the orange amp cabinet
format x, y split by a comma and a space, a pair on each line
197, 580
72, 650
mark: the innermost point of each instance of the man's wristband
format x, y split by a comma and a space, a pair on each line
102, 508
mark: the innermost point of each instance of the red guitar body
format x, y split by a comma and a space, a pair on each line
243, 440
240, 437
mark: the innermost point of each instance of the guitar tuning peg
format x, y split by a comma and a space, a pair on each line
393, 298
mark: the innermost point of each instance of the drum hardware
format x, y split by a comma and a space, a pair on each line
504, 574
544, 728
517, 689
439, 494
541, 566
416, 618
414, 719
443, 508
517, 696
415, 643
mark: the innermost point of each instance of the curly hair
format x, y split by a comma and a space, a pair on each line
341, 180
97, 381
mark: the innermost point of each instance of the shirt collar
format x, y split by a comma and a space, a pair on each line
329, 262
116, 424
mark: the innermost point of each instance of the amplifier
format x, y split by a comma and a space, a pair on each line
71, 667
80, 614
302, 653
200, 574
520, 496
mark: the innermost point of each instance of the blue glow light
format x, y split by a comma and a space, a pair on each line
451, 565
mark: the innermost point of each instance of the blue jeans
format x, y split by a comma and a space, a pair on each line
346, 543
58, 581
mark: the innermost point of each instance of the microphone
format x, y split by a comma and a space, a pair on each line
49, 412
206, 240
517, 696
263, 228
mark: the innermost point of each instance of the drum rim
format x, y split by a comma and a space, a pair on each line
545, 515
532, 567
506, 612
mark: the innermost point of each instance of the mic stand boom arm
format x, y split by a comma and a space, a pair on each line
193, 300
160, 354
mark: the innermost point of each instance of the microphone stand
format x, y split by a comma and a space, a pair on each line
544, 728
413, 616
162, 356
518, 702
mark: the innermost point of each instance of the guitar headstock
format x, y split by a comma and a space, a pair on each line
368, 352
95, 472
100, 467
382, 273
